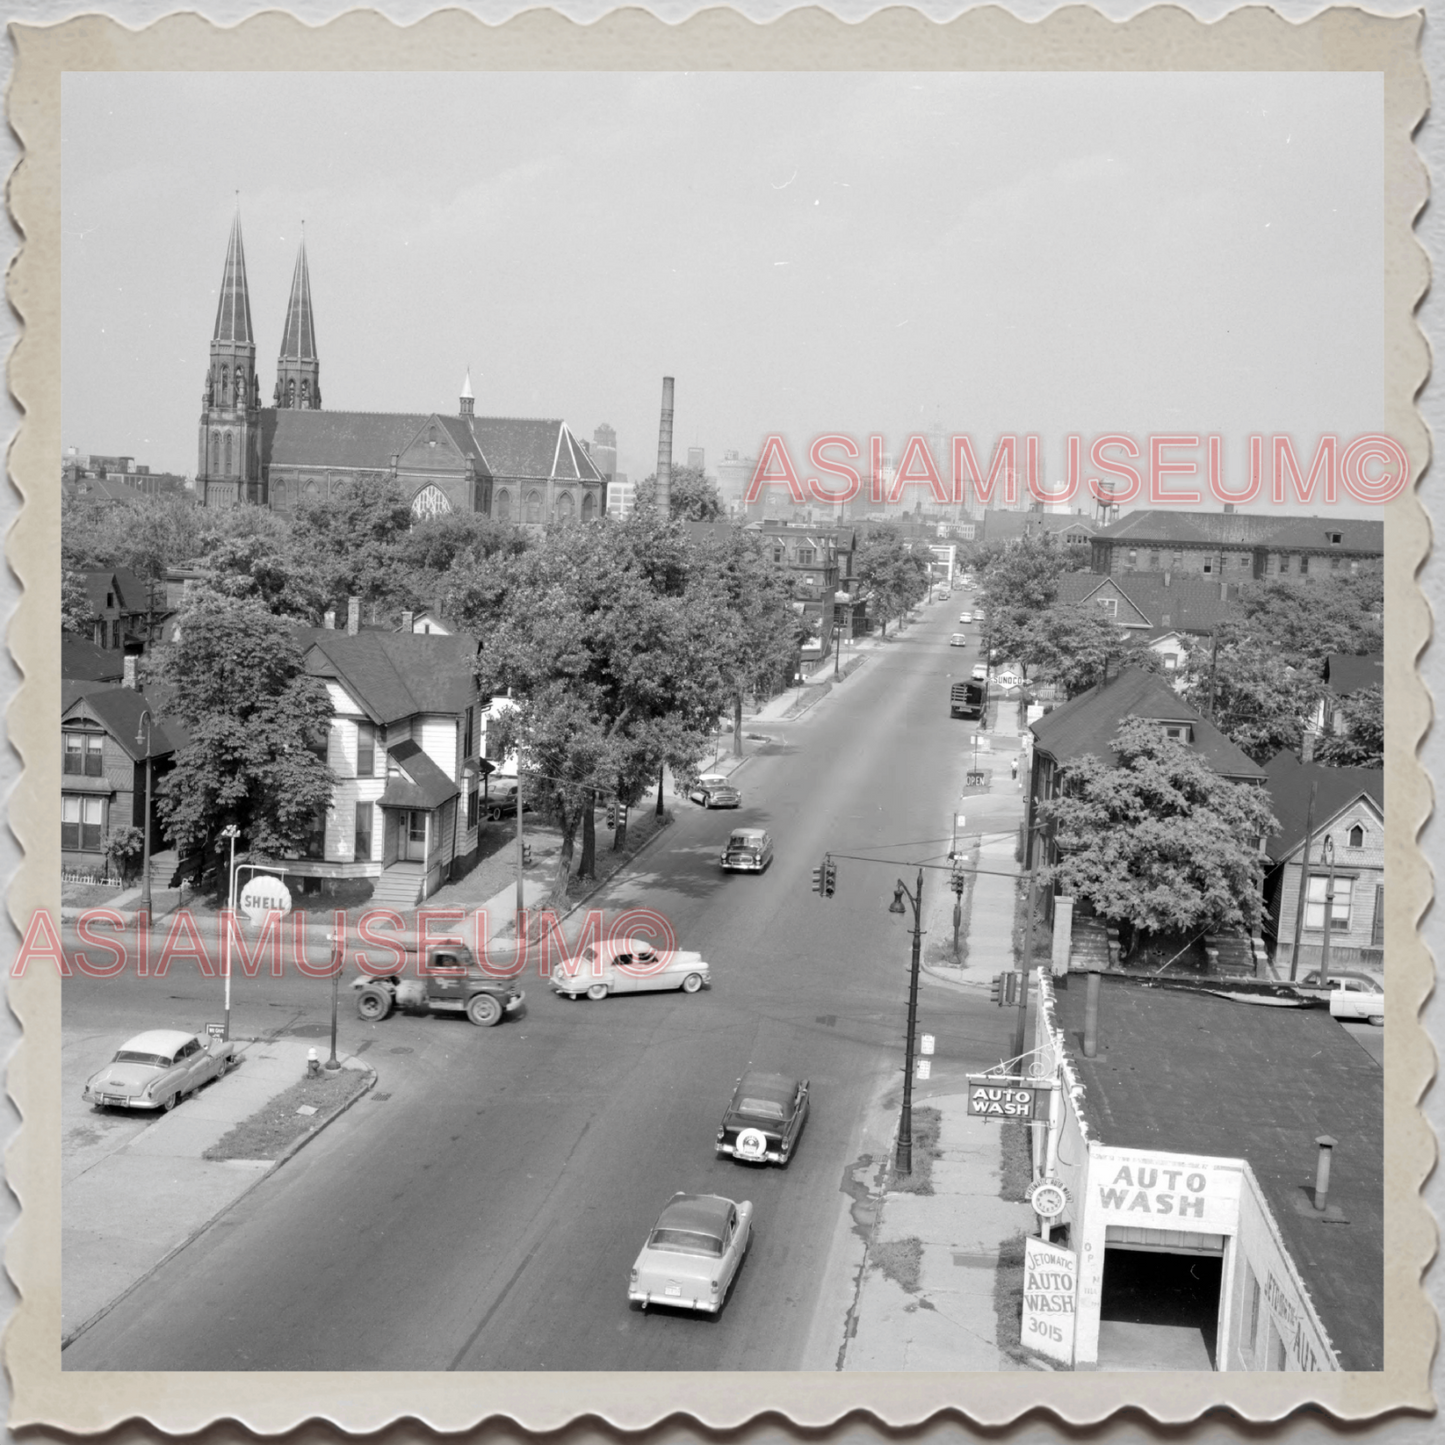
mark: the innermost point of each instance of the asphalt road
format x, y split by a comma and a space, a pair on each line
481, 1209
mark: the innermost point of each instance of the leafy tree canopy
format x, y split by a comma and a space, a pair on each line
691, 496
1158, 840
1360, 742
1255, 697
1306, 620
894, 577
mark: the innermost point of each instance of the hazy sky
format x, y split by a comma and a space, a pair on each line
805, 253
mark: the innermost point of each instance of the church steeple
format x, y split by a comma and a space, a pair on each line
467, 399
229, 461
298, 370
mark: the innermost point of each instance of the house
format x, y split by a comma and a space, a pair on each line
1348, 823
405, 747
1087, 724
1236, 546
105, 737
1009, 529
1344, 674
120, 605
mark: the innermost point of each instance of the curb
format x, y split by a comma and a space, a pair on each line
292, 1149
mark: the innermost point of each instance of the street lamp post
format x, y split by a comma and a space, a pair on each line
1327, 857
147, 722
903, 1155
230, 832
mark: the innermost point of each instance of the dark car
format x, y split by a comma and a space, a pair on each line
713, 790
764, 1119
748, 850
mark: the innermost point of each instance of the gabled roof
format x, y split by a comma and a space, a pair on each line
298, 340
1151, 527
1345, 673
420, 783
1087, 724
129, 591
360, 440
83, 661
395, 675
1188, 604
1290, 781
527, 447
118, 710
233, 308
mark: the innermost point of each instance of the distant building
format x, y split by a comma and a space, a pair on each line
1008, 528
734, 473
114, 478
696, 459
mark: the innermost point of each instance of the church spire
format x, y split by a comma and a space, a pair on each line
228, 468
233, 310
467, 399
298, 369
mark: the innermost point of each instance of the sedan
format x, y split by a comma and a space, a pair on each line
1353, 995
748, 850
713, 790
959, 639
693, 1254
629, 966
155, 1070
764, 1119
980, 672
965, 616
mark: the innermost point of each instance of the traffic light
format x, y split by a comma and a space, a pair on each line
818, 879
830, 877
526, 855
612, 814
1004, 990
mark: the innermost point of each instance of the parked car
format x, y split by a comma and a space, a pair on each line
159, 1068
959, 639
451, 983
748, 850
501, 801
1352, 995
980, 672
629, 966
713, 790
965, 616
764, 1118
693, 1254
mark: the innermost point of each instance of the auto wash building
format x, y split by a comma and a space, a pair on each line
1187, 1137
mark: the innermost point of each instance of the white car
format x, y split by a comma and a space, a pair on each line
629, 966
693, 1253
159, 1068
959, 639
980, 672
965, 616
1353, 995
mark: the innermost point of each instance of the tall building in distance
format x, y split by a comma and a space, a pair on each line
734, 473
696, 459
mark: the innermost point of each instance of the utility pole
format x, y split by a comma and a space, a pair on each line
1304, 883
521, 852
1328, 852
1027, 959
903, 1155
1213, 672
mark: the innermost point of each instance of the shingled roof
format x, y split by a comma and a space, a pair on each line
395, 675
118, 710
1289, 782
1087, 724
1245, 529
359, 440
1346, 673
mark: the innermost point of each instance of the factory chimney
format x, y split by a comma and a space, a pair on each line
664, 452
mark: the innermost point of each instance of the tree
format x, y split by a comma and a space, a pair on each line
350, 543
1020, 580
257, 724
1252, 695
1158, 841
894, 578
1360, 741
1067, 645
254, 566
1305, 621
691, 496
145, 534
75, 612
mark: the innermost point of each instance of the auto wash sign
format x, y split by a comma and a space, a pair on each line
1150, 1190
1051, 1286
995, 1096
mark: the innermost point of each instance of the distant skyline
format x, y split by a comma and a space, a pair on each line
804, 253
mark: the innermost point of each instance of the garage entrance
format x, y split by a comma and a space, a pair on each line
1160, 1304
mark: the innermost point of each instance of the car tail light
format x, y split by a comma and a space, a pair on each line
714, 1286
634, 1276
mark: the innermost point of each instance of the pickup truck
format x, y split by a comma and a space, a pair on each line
968, 699
451, 982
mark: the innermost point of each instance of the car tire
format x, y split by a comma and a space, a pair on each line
692, 983
1378, 1020
597, 991
373, 1004
170, 1102
484, 1010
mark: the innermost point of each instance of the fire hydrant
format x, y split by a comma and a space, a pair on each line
313, 1064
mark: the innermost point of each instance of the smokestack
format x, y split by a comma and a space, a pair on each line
1091, 1016
1322, 1172
664, 451
353, 616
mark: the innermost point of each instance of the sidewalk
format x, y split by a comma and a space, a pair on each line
127, 1208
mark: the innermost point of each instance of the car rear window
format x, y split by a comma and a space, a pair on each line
129, 1056
761, 1108
686, 1241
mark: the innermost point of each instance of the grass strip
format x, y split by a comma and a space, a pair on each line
276, 1125
901, 1261
926, 1125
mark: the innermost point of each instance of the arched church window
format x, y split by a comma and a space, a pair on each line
305, 392
431, 501
504, 505
564, 507
312, 491
216, 452
291, 392
225, 382
534, 506
589, 508
227, 471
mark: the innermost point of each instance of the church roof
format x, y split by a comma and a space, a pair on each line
233, 310
298, 341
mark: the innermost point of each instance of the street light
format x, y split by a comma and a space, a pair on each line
903, 1156
146, 723
230, 832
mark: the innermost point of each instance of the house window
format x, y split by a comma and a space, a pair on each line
469, 732
315, 844
82, 823
363, 832
83, 755
777, 554
504, 505
365, 750
1110, 606
1357, 837
1171, 661
806, 556
1153, 561
1209, 564
1315, 903
1336, 538
1377, 925
1133, 559
473, 808
1251, 1333
1304, 565
1180, 732
1284, 564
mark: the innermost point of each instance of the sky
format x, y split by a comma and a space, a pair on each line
805, 253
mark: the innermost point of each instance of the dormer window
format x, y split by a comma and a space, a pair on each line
1110, 606
1336, 538
1357, 837
1179, 732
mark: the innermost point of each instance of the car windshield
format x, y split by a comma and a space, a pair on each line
686, 1241
739, 841
130, 1056
761, 1108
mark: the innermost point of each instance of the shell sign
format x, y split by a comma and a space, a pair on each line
263, 895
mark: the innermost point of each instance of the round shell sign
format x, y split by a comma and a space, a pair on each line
263, 895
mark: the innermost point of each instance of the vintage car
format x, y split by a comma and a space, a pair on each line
764, 1119
713, 790
450, 982
693, 1254
748, 850
157, 1069
959, 639
628, 966
1352, 995
980, 672
965, 616
501, 799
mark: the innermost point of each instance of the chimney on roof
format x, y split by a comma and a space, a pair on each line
1307, 746
1091, 1016
408, 621
1228, 508
353, 616
328, 618
128, 676
1322, 1171
664, 451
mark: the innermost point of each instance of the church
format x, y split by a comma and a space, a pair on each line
294, 452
